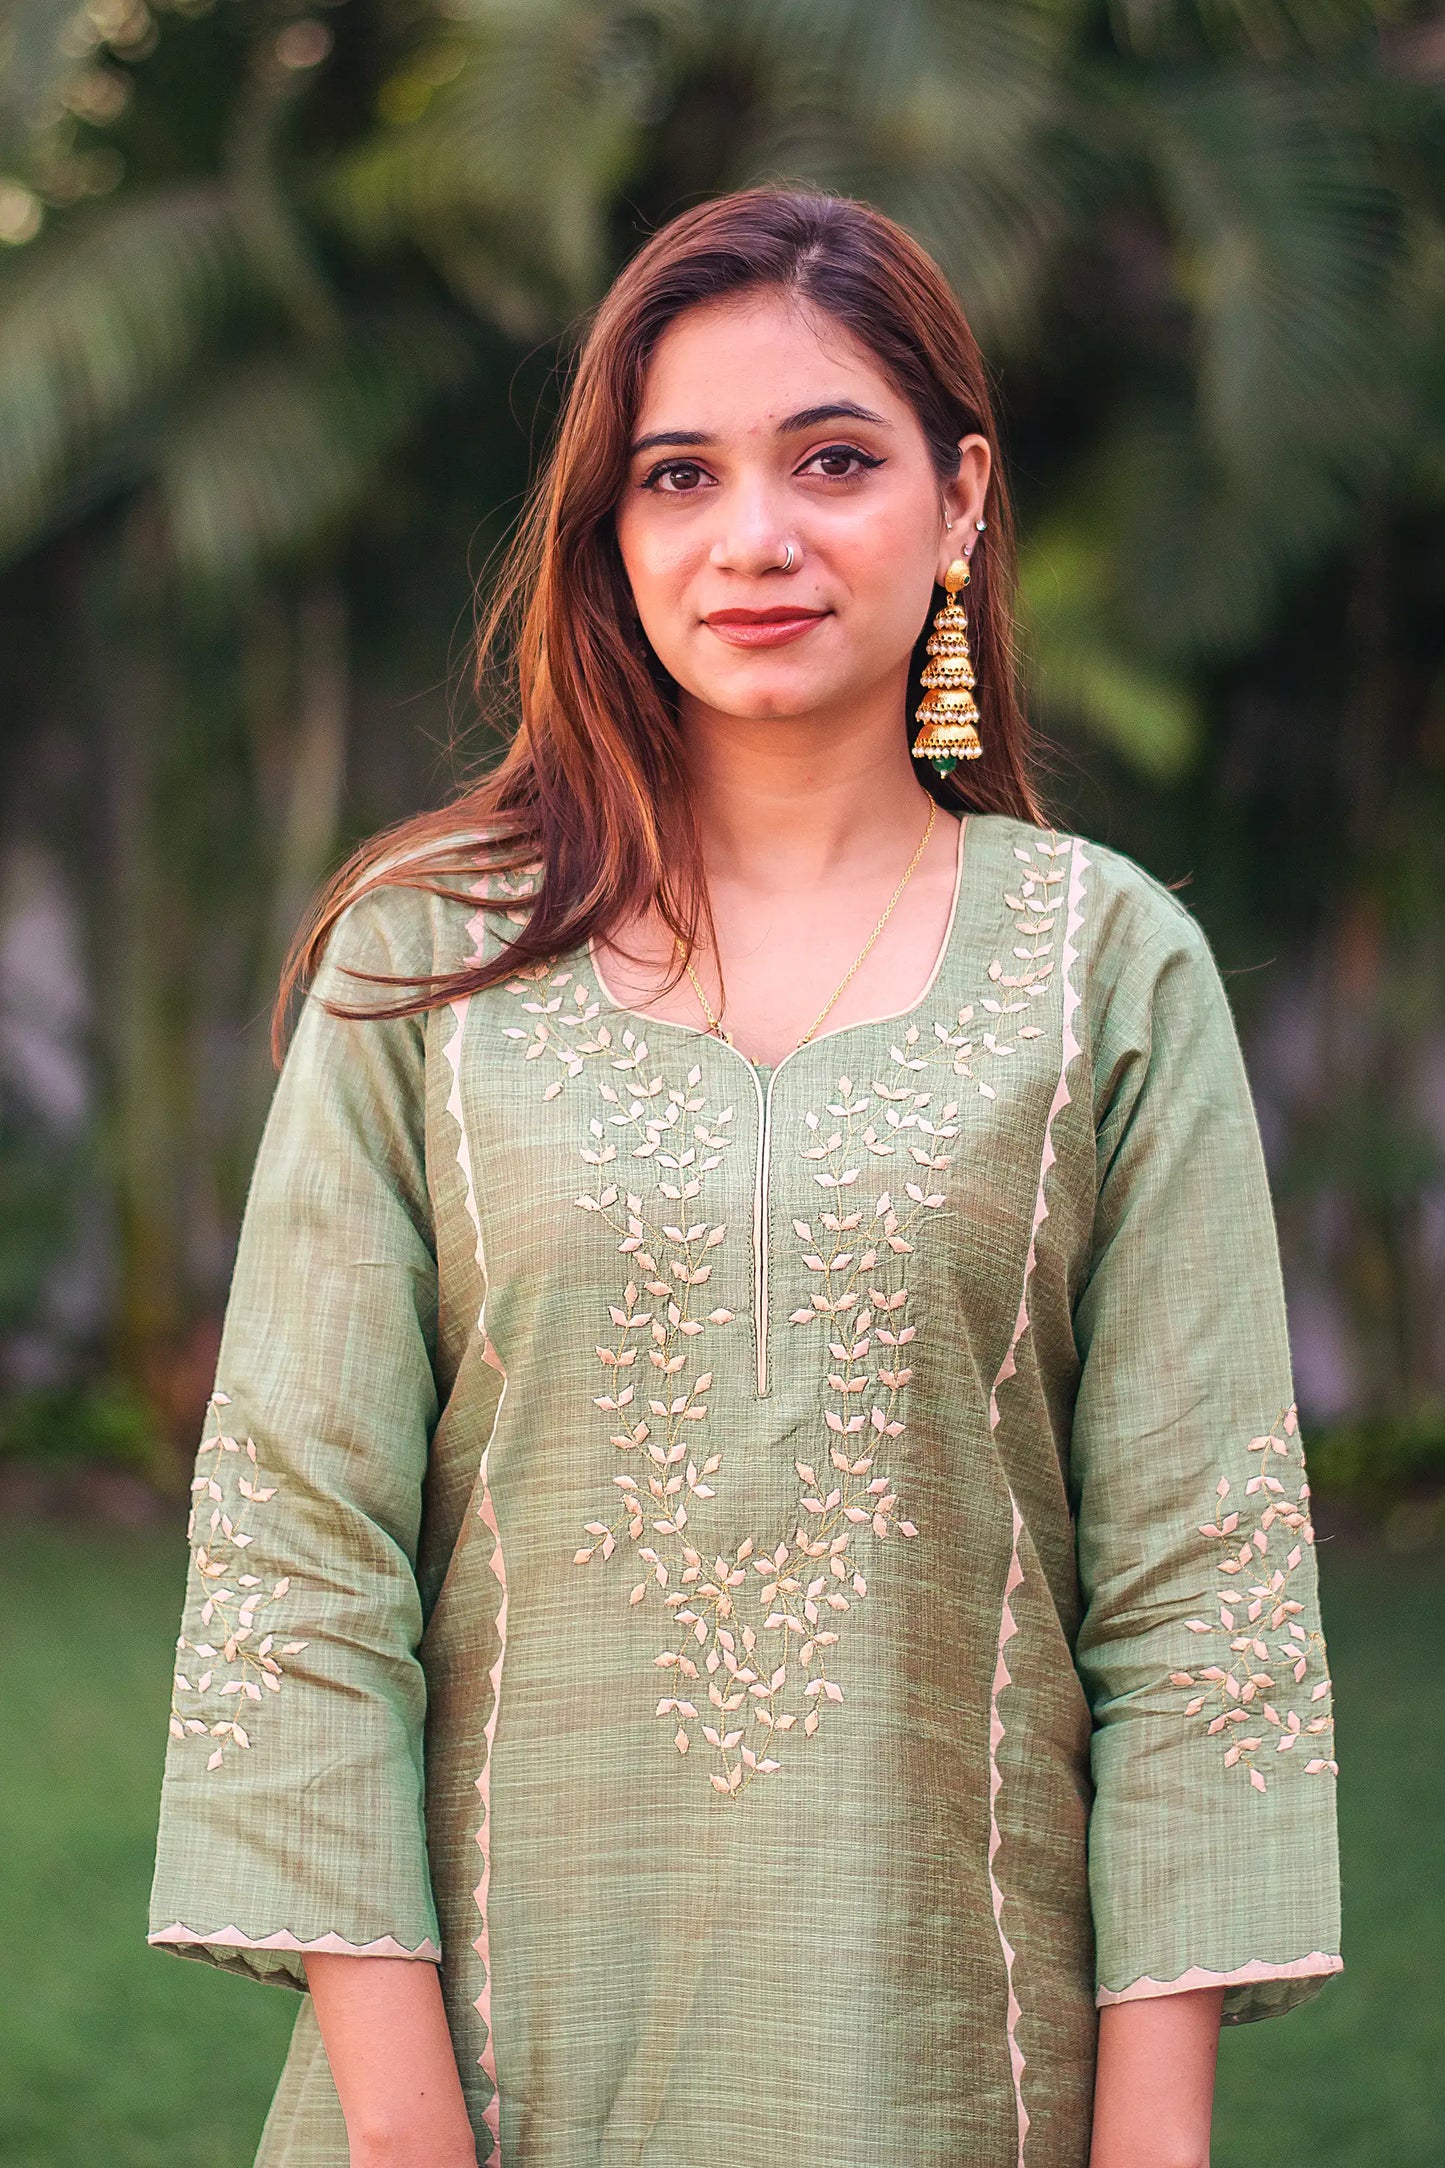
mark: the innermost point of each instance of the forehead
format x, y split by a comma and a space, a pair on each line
738, 365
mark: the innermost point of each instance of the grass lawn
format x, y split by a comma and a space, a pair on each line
117, 2055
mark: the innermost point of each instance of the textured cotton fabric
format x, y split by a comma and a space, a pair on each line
793, 1586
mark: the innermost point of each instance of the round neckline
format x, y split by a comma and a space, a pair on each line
963, 859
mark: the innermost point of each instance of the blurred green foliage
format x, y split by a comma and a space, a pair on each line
80, 1426
287, 291
34, 1215
1378, 1463
1391, 1473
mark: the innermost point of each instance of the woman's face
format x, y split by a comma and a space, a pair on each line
764, 422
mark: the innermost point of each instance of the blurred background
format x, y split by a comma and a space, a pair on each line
287, 292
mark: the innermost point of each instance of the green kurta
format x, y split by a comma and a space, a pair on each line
797, 1586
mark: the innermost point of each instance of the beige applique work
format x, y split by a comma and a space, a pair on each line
860, 1301
564, 1010
665, 1313
1270, 1653
565, 1007
754, 1661
983, 1034
243, 1663
762, 1623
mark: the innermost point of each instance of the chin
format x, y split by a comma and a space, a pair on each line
777, 707
781, 697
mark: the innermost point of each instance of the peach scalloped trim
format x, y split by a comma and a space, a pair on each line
231, 1938
1258, 1968
1079, 863
486, 1512
1008, 1627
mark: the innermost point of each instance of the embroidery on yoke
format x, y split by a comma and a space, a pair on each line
758, 1655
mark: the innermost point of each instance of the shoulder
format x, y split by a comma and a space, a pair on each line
431, 907
1137, 958
1133, 919
1118, 912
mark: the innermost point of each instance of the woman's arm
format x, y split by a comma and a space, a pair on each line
1154, 2087
300, 1699
386, 2038
1212, 1851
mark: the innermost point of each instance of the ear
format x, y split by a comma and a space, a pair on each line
963, 501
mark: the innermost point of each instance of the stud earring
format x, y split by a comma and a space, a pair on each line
947, 715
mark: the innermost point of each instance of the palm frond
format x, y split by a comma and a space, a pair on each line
1081, 666
93, 327
1290, 242
278, 455
1199, 569
1422, 343
506, 176
1272, 30
936, 112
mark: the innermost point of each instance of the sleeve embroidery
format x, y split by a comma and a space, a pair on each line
1270, 1651
246, 1662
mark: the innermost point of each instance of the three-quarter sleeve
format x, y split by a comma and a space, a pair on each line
1212, 1840
292, 1804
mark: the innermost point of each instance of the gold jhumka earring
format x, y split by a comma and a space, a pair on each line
947, 715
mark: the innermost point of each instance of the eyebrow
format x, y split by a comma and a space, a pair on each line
834, 410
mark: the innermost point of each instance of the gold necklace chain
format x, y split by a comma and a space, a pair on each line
715, 1022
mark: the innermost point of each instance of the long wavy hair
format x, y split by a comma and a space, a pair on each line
592, 790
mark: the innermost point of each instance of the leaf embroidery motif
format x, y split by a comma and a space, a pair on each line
564, 1008
799, 1586
860, 1301
1269, 1652
243, 1663
977, 1042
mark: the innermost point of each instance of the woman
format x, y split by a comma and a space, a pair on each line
752, 1585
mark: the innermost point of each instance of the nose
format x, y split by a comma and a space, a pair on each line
753, 529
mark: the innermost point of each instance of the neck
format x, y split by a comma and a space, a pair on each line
792, 803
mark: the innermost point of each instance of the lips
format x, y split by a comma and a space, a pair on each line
763, 628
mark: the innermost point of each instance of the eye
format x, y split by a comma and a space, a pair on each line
686, 475
841, 461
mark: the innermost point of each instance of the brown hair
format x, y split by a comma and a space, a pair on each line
592, 786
